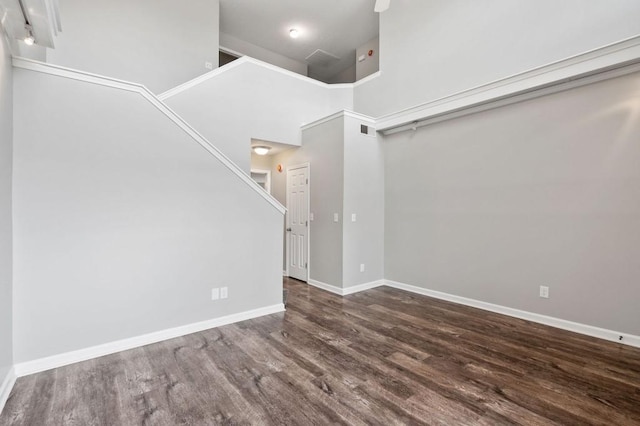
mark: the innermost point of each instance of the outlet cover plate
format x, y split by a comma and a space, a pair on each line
544, 291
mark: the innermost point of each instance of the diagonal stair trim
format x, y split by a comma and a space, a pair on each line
249, 60
41, 67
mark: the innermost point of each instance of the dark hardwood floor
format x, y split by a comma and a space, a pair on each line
378, 357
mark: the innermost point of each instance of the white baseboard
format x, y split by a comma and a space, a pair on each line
285, 274
601, 333
362, 287
327, 287
7, 385
43, 364
347, 290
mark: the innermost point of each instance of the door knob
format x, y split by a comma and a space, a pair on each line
288, 229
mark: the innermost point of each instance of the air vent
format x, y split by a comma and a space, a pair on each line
322, 58
364, 129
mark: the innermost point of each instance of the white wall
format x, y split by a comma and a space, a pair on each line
371, 64
6, 234
364, 196
434, 48
123, 224
245, 48
495, 204
261, 162
157, 43
255, 101
347, 176
322, 148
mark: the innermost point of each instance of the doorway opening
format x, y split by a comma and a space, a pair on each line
262, 178
271, 167
226, 57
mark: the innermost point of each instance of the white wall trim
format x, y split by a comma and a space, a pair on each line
41, 67
43, 364
359, 116
339, 85
244, 59
239, 62
362, 287
230, 52
601, 333
347, 290
606, 62
327, 287
343, 113
322, 120
204, 77
6, 386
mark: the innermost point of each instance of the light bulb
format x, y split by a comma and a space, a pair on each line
293, 33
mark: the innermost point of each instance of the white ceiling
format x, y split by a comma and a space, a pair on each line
335, 26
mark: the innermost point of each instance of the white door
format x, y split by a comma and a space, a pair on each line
298, 221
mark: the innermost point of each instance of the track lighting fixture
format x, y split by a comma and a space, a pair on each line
29, 39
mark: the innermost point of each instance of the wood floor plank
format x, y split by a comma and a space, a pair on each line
379, 357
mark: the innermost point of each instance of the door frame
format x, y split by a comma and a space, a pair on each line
286, 225
268, 175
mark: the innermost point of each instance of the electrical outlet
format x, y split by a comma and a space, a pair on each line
353, 217
208, 65
224, 292
544, 292
215, 293
362, 267
335, 217
311, 217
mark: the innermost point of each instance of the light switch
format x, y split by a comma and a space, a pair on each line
335, 217
311, 216
353, 217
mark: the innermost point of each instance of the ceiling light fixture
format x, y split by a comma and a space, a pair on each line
293, 33
29, 39
261, 149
